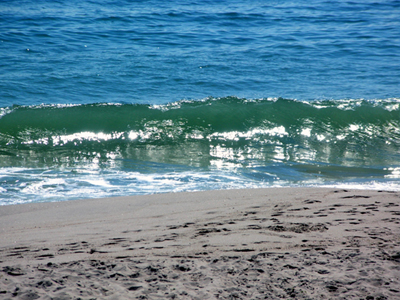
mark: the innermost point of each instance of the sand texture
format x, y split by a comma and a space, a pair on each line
287, 243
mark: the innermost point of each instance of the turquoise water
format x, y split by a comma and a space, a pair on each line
112, 98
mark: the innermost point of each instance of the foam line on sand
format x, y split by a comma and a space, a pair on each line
285, 243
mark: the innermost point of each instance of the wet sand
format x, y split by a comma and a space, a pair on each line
284, 243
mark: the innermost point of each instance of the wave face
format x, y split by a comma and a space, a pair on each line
193, 145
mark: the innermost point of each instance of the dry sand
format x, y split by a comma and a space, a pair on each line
288, 243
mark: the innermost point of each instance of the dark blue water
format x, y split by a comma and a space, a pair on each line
106, 98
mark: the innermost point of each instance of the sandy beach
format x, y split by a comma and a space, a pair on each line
280, 243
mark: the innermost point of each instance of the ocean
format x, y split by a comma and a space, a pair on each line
112, 98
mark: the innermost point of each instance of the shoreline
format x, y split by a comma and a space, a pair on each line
299, 243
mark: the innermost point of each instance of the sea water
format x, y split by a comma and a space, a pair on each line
110, 98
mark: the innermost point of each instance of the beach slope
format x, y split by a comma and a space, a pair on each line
278, 243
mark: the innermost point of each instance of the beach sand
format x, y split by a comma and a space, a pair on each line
278, 243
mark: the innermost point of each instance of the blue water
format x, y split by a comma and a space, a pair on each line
109, 98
